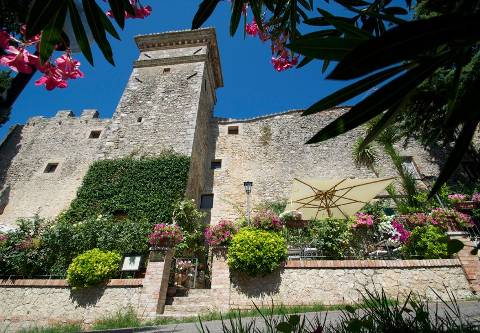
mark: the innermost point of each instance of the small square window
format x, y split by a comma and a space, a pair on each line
216, 164
166, 70
206, 201
94, 134
50, 168
232, 129
139, 119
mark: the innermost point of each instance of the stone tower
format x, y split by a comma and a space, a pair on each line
169, 100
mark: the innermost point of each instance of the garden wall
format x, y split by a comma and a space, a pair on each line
339, 281
27, 303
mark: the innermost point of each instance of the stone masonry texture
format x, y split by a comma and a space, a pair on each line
22, 307
343, 285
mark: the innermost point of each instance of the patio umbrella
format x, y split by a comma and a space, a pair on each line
339, 198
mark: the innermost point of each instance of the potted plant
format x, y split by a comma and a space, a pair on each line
293, 219
165, 236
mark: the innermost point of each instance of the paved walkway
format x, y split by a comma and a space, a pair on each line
468, 309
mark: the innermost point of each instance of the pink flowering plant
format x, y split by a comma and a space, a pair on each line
363, 220
418, 219
451, 219
401, 233
476, 197
282, 59
165, 235
220, 234
267, 220
3, 239
457, 197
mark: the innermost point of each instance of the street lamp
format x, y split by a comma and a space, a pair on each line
248, 190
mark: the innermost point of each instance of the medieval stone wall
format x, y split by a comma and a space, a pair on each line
52, 302
341, 282
65, 140
270, 151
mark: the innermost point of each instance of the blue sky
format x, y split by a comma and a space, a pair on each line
252, 86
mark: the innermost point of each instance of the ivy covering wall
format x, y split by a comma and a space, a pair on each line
145, 188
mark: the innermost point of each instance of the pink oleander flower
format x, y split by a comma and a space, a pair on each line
4, 39
363, 220
220, 234
457, 197
19, 60
252, 29
52, 78
69, 67
267, 220
165, 235
283, 61
140, 11
476, 197
401, 234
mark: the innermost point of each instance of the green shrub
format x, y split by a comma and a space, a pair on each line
191, 220
428, 242
331, 236
255, 251
139, 188
64, 240
93, 267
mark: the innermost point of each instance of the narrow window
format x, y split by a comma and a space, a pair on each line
139, 119
216, 164
232, 129
50, 168
94, 134
206, 201
166, 70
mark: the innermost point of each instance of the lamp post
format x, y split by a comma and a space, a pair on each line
248, 190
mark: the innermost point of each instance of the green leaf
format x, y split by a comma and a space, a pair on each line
395, 11
304, 62
405, 42
325, 65
118, 12
461, 146
236, 14
284, 327
353, 90
380, 125
41, 14
379, 101
205, 9
79, 31
52, 33
345, 25
332, 48
294, 320
97, 29
107, 24
454, 246
350, 309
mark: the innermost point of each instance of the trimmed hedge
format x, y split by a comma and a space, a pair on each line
92, 268
256, 252
140, 188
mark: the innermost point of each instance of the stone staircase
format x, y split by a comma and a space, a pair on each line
193, 303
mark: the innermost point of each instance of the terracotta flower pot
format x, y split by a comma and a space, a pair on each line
296, 223
171, 291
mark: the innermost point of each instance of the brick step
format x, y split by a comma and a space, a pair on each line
191, 300
199, 292
188, 308
177, 315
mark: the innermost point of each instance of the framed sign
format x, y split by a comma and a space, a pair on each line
131, 263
